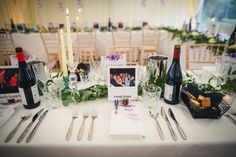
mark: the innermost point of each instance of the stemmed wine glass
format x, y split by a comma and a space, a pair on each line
95, 70
42, 74
151, 94
72, 76
51, 90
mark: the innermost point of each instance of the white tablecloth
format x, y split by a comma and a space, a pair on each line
206, 137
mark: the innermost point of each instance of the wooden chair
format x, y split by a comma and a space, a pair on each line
51, 43
121, 38
122, 45
85, 48
132, 53
202, 54
150, 43
7, 48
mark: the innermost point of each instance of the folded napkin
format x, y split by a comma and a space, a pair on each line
6, 112
128, 123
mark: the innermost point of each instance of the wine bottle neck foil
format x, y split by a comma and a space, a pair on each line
176, 53
20, 57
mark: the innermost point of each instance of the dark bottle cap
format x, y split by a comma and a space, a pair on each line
19, 49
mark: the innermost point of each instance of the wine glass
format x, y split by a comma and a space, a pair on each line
72, 76
151, 93
95, 70
42, 74
54, 94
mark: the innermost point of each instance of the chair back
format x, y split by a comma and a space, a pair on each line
150, 37
85, 49
51, 44
198, 55
150, 44
7, 48
121, 38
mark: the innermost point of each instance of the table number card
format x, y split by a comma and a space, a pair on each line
122, 82
111, 60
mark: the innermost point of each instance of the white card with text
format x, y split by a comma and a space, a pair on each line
122, 82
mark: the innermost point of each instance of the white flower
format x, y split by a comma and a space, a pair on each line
233, 47
211, 41
209, 35
195, 33
184, 33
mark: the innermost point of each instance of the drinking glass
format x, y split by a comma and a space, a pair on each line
42, 74
142, 73
72, 76
95, 70
55, 93
151, 93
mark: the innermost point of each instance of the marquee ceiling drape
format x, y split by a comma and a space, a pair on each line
131, 12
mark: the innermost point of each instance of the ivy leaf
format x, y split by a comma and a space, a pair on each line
49, 82
209, 81
187, 74
230, 69
234, 72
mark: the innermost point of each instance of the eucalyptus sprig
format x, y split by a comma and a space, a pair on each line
229, 84
156, 80
90, 93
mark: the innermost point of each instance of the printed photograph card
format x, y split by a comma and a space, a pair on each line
9, 92
122, 82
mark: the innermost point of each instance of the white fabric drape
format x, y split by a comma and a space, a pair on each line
130, 12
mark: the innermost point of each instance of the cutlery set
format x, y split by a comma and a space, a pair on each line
171, 130
37, 115
86, 115
40, 115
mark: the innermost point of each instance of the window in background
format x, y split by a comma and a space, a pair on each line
221, 14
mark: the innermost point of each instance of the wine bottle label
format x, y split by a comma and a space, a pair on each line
35, 93
168, 94
22, 94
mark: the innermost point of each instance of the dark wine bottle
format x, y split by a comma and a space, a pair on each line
13, 27
27, 82
190, 25
174, 79
109, 24
232, 38
231, 41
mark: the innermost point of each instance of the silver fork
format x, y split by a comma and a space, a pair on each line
69, 132
13, 132
81, 130
94, 115
160, 132
225, 106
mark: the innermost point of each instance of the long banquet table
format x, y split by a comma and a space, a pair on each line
32, 43
206, 137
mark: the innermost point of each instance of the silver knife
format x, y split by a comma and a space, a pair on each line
181, 131
32, 133
22, 136
163, 114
